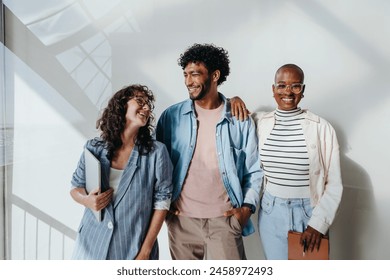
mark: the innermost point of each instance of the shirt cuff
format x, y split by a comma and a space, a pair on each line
250, 206
162, 205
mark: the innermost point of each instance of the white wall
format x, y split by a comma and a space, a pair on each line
341, 45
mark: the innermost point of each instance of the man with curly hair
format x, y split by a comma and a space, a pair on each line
217, 175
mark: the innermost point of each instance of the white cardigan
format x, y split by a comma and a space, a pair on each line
325, 176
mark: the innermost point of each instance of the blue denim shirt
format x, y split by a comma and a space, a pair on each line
238, 156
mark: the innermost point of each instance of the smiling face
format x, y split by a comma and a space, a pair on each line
286, 98
197, 80
138, 110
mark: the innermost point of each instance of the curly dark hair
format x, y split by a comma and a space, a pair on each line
214, 58
113, 120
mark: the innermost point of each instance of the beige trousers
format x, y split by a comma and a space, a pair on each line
212, 239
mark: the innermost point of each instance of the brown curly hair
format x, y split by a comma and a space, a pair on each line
113, 120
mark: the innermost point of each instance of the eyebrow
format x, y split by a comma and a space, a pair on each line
192, 71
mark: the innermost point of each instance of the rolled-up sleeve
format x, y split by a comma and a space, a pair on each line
163, 184
78, 178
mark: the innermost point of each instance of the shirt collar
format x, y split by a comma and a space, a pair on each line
188, 107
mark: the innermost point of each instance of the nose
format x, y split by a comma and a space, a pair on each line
146, 106
188, 80
288, 88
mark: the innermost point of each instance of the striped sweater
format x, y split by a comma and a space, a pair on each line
284, 157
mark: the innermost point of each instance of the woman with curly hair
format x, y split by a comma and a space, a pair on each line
135, 182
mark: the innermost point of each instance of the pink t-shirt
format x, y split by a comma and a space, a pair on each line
203, 194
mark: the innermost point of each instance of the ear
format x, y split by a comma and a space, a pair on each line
216, 75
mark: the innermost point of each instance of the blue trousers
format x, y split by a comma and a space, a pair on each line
277, 216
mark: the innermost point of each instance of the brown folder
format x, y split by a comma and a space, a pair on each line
295, 249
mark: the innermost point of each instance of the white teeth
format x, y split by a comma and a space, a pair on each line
192, 89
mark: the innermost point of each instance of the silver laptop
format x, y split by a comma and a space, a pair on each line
92, 176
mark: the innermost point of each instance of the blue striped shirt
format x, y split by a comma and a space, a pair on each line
146, 184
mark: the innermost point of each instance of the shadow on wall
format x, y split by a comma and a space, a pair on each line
252, 243
356, 220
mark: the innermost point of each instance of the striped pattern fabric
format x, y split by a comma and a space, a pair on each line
284, 156
145, 185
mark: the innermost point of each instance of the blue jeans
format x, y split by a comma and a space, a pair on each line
277, 216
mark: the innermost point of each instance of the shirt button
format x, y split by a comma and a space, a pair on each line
110, 225
313, 146
317, 172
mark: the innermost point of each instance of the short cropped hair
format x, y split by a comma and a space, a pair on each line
292, 66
